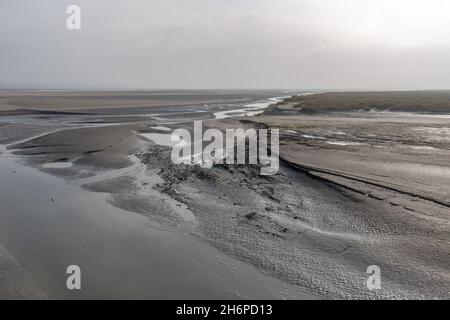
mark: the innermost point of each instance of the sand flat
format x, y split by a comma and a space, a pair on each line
343, 200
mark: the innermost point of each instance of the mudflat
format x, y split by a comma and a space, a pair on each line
15, 102
16, 282
354, 189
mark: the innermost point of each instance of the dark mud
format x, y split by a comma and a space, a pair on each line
352, 191
307, 232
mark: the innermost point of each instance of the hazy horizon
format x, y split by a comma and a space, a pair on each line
287, 90
217, 45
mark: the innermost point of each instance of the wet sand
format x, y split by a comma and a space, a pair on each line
129, 244
122, 255
348, 195
405, 155
120, 102
15, 281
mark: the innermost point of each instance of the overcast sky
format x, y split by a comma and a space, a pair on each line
372, 44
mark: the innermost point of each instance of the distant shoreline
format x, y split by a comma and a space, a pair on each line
107, 100
434, 102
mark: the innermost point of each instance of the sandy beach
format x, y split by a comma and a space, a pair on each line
354, 189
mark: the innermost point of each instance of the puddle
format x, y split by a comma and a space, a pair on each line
163, 139
161, 128
423, 148
312, 137
57, 165
344, 143
249, 110
171, 140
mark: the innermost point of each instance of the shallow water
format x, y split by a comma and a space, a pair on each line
57, 165
47, 225
250, 110
163, 139
172, 140
161, 128
344, 143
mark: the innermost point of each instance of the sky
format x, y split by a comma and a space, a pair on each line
209, 44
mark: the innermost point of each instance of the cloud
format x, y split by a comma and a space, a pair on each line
226, 44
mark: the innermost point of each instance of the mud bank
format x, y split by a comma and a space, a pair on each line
343, 200
48, 224
306, 232
15, 281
